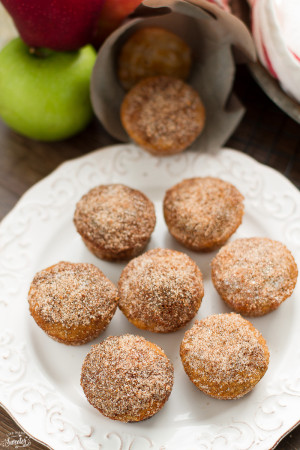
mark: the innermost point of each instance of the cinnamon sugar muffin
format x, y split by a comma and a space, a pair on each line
160, 290
115, 221
254, 275
202, 213
224, 355
127, 378
72, 302
164, 115
152, 51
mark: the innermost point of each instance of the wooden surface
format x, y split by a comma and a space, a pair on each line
265, 133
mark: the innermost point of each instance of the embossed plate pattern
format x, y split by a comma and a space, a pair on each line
39, 378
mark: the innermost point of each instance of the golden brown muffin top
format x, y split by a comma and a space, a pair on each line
125, 377
115, 217
255, 274
152, 51
203, 211
162, 288
163, 114
224, 355
72, 294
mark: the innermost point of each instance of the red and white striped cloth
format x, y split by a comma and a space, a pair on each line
276, 33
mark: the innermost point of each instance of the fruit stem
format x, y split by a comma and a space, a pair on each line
40, 52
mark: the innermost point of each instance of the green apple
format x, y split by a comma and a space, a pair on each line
44, 94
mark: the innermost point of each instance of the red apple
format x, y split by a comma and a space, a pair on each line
58, 24
112, 15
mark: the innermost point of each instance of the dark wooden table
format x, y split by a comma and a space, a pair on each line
265, 133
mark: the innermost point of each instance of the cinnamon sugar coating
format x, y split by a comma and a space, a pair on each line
164, 115
72, 302
202, 213
127, 378
224, 355
152, 51
254, 275
115, 221
160, 290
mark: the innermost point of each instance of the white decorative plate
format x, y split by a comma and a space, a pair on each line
39, 378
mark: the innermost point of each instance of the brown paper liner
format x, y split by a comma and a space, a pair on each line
212, 34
